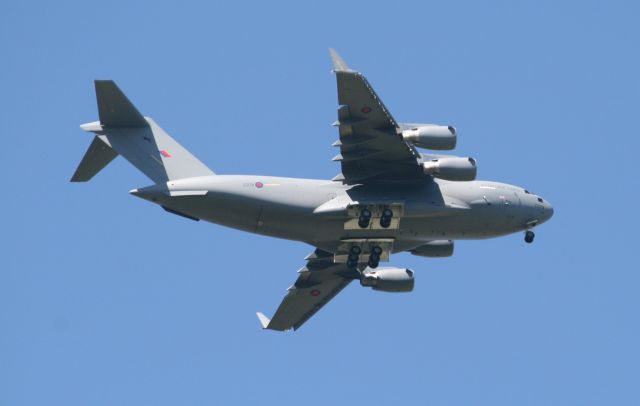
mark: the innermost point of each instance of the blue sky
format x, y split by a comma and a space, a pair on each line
106, 299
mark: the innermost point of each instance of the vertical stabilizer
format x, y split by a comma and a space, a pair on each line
140, 140
114, 108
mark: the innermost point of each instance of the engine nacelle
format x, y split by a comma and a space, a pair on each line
389, 279
451, 168
430, 136
435, 249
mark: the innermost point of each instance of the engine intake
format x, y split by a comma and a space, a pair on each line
435, 249
438, 137
389, 279
452, 168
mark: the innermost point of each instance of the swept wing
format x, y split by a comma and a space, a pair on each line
371, 143
318, 282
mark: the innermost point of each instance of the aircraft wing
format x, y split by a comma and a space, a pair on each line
371, 143
319, 281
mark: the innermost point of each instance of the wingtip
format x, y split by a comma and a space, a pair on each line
264, 320
339, 65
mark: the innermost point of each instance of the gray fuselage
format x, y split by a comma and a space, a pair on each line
315, 211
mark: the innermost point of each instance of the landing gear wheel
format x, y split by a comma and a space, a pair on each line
385, 219
352, 264
374, 257
529, 236
353, 257
365, 218
355, 250
363, 222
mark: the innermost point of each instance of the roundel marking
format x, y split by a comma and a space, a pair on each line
366, 109
259, 185
315, 292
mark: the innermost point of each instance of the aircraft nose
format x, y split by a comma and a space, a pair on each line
548, 210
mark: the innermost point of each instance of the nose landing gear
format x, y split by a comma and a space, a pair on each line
529, 236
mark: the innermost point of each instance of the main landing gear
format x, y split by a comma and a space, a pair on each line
385, 219
374, 257
354, 257
529, 236
365, 218
367, 214
354, 254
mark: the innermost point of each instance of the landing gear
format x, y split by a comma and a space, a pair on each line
374, 257
354, 254
529, 236
365, 218
385, 219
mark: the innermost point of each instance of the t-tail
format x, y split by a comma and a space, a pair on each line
122, 130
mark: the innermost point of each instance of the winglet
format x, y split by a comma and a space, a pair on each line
339, 65
264, 320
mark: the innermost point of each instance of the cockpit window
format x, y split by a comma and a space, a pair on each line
540, 200
527, 192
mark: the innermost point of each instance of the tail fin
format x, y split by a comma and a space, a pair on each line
122, 130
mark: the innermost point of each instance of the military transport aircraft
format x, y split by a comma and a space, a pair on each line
388, 198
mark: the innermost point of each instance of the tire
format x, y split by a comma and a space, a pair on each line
529, 236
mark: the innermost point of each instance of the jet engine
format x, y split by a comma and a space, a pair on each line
388, 279
437, 248
451, 168
431, 136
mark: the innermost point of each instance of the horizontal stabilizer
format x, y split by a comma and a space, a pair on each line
114, 108
264, 320
95, 159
